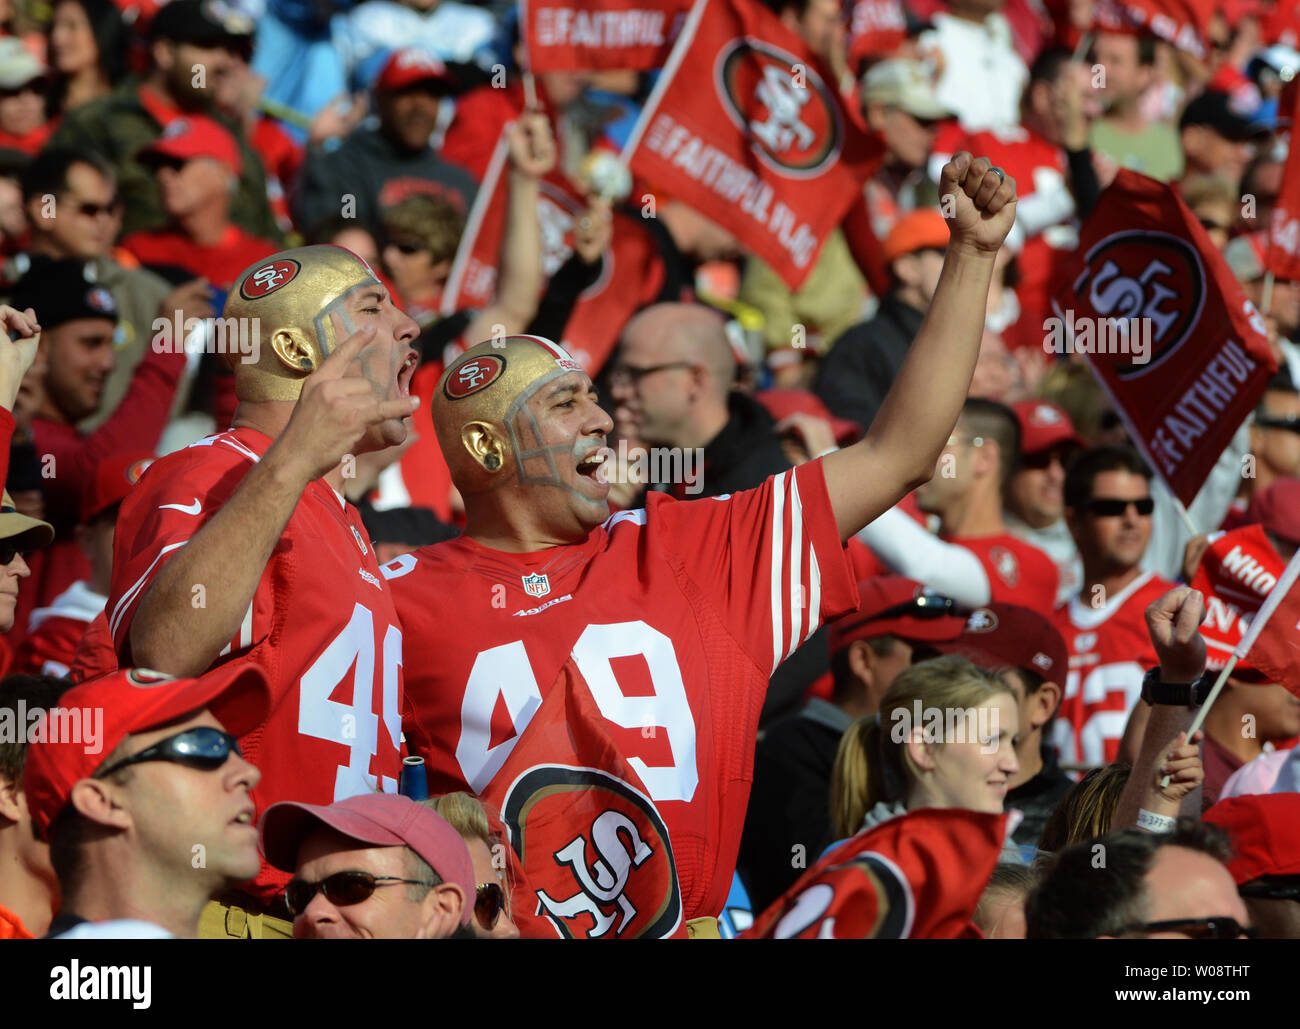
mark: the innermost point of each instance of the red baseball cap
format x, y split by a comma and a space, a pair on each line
379, 819
195, 136
114, 476
1044, 425
1012, 636
891, 605
1278, 509
132, 700
410, 67
781, 403
1265, 833
921, 229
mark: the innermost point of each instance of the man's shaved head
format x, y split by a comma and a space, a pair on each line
685, 403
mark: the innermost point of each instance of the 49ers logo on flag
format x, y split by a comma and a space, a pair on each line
791, 117
1169, 332
474, 375
596, 853
743, 127
269, 278
1283, 258
1147, 276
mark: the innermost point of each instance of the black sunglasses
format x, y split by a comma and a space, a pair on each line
204, 747
489, 899
8, 552
927, 605
1288, 422
1280, 888
342, 889
1196, 928
1106, 507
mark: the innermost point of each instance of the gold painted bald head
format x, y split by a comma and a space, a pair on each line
300, 299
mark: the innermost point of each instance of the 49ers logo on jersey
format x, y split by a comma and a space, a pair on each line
596, 851
474, 375
268, 278
1149, 276
782, 104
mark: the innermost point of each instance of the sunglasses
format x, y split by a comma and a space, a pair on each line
204, 748
927, 605
8, 552
1197, 928
342, 889
1044, 459
1290, 423
1105, 507
91, 210
1287, 888
489, 900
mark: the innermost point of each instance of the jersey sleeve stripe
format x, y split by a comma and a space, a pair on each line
814, 581
778, 532
795, 586
130, 596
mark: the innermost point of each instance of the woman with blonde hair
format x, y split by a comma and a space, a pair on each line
492, 915
909, 756
920, 790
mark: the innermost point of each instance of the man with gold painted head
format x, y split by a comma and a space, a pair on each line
242, 547
620, 663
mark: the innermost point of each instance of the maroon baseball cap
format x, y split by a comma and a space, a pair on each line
1044, 425
133, 700
410, 67
114, 476
1007, 635
891, 605
195, 136
1265, 833
377, 819
1278, 509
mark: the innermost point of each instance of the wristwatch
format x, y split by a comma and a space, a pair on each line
1176, 694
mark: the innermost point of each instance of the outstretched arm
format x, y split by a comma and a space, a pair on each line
914, 422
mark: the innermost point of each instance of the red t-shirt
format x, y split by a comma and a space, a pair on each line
220, 263
661, 630
321, 625
1110, 651
1019, 573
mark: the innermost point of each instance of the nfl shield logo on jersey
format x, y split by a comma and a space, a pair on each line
536, 585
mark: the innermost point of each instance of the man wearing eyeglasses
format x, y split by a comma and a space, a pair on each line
1171, 885
1108, 510
137, 782
375, 866
73, 210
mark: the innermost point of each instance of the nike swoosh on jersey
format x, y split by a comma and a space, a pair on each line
189, 509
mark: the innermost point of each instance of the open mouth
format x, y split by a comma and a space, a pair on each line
407, 373
592, 465
244, 817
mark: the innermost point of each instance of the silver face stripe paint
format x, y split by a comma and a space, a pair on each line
519, 408
345, 316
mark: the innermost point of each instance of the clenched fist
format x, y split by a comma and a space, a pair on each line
978, 201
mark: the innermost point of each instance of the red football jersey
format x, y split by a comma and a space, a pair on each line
1110, 650
1019, 572
55, 631
669, 621
321, 625
95, 655
917, 876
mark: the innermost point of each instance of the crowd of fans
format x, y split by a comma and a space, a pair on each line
152, 155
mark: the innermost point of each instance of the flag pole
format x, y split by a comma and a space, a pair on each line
1266, 298
1271, 603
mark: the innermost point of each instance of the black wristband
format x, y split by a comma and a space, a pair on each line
1177, 694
